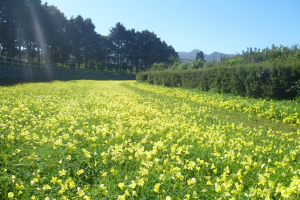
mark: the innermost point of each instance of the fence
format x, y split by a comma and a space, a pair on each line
13, 62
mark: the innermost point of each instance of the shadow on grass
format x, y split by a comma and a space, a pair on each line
11, 82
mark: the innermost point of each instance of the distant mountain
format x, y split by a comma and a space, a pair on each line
189, 56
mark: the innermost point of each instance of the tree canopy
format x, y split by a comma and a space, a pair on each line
39, 32
200, 56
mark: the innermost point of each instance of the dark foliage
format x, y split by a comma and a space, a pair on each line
39, 32
200, 56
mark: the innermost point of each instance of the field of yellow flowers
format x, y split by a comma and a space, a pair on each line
128, 140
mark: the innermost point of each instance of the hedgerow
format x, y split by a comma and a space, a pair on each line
258, 80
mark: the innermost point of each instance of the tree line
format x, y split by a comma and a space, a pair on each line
275, 54
39, 32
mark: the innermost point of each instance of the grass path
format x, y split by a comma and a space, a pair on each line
230, 116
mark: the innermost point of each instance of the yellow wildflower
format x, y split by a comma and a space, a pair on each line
79, 172
156, 187
62, 172
122, 197
121, 186
10, 195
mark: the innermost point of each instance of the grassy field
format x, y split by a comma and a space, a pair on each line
128, 140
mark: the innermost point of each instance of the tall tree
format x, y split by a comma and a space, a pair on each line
89, 40
108, 50
118, 36
76, 30
33, 29
9, 29
200, 56
132, 50
99, 51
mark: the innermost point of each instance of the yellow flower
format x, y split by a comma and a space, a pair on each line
79, 172
80, 192
132, 185
19, 187
209, 182
286, 193
191, 165
262, 179
255, 164
103, 173
234, 192
105, 192
86, 187
10, 195
168, 198
238, 187
127, 193
218, 188
86, 197
71, 184
53, 180
141, 182
156, 187
46, 187
134, 193
122, 197
121, 185
86, 153
33, 181
195, 195
113, 171
102, 187
191, 181
62, 172
187, 196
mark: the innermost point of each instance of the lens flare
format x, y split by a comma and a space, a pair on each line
39, 34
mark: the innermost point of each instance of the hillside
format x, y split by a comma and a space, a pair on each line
188, 56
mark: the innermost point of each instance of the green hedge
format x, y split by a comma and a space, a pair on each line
263, 80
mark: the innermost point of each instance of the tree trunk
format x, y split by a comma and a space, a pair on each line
78, 61
119, 63
62, 59
51, 55
20, 51
39, 55
29, 51
2, 53
106, 64
86, 59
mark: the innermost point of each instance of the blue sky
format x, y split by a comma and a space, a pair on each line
226, 26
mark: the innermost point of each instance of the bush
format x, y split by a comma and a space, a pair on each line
159, 66
263, 80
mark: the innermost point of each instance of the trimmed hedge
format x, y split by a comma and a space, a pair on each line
263, 80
